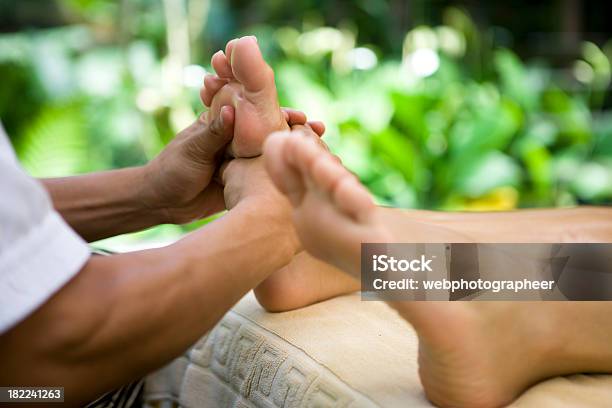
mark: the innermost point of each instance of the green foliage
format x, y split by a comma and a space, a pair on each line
454, 122
52, 144
516, 139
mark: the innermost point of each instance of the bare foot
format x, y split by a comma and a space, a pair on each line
246, 82
470, 354
333, 211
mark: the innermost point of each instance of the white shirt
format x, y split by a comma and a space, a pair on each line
39, 253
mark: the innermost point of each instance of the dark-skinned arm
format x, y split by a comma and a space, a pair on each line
123, 316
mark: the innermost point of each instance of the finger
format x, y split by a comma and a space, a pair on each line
221, 65
204, 147
317, 126
227, 116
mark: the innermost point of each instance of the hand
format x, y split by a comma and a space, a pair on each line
179, 180
247, 178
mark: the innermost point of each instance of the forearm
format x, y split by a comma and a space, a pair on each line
582, 224
125, 315
100, 205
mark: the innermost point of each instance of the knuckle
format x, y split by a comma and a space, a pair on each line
215, 128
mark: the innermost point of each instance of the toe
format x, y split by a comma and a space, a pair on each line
249, 67
294, 117
229, 47
326, 172
283, 173
302, 152
212, 85
317, 126
205, 97
352, 198
331, 177
221, 65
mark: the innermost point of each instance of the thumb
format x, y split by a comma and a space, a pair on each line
210, 138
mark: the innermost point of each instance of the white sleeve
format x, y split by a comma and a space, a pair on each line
39, 252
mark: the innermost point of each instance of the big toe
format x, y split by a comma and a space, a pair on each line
285, 176
249, 67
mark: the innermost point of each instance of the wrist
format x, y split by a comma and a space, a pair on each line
147, 194
273, 212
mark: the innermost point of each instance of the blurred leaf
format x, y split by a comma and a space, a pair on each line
54, 143
489, 128
400, 153
484, 131
539, 169
514, 79
299, 89
594, 181
602, 132
572, 116
410, 112
485, 173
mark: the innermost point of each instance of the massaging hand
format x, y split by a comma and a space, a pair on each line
179, 180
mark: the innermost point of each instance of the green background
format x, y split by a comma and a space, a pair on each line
429, 106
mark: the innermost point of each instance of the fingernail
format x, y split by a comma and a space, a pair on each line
252, 37
221, 115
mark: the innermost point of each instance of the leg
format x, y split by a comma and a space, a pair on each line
463, 359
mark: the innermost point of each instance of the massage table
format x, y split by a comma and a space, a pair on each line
343, 352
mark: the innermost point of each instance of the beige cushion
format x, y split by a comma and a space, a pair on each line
338, 353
